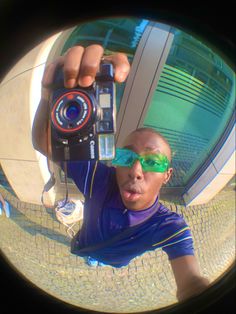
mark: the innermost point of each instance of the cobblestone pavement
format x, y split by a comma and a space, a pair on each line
38, 246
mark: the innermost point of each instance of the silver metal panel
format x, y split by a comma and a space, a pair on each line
226, 151
213, 169
198, 187
209, 174
146, 68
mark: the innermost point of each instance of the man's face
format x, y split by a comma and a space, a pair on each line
140, 189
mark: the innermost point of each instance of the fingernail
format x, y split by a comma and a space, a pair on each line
70, 83
86, 80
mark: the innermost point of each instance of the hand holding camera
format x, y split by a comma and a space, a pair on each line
82, 112
83, 120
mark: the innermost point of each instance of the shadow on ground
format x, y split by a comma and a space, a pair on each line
34, 228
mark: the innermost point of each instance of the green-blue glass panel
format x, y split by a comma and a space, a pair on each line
192, 104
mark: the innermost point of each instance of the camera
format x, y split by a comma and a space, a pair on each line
83, 120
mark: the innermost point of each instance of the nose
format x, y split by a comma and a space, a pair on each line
136, 171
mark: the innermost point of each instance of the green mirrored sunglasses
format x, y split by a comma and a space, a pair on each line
150, 163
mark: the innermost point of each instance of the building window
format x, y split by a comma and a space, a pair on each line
192, 104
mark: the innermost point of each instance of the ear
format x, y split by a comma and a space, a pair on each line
168, 175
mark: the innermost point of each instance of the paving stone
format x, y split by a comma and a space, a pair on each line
39, 248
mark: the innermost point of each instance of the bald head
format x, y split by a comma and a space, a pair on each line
143, 141
151, 140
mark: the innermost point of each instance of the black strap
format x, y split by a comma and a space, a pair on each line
100, 245
51, 182
120, 236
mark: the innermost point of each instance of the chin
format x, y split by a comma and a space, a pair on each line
133, 205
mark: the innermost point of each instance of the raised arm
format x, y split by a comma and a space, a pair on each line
80, 66
187, 276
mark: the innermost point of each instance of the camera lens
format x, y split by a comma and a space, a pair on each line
72, 110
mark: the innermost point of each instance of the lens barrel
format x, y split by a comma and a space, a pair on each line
73, 111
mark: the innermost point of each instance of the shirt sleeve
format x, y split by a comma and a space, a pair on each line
181, 248
87, 175
175, 237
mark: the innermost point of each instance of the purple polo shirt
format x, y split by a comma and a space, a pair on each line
105, 216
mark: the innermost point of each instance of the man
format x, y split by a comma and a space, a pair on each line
123, 217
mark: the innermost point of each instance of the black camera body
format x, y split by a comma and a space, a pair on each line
83, 120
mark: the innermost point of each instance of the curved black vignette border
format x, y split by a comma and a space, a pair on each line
25, 24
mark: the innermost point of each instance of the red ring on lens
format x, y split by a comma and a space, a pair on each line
75, 93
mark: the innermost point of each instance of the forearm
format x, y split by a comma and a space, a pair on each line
194, 287
40, 127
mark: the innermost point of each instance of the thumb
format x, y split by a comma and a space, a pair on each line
121, 66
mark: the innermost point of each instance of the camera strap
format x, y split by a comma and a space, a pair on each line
51, 182
123, 235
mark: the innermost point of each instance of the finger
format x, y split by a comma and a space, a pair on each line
49, 71
90, 65
121, 66
72, 66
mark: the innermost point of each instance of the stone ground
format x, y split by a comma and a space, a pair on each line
37, 245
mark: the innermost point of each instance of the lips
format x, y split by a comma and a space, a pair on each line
131, 196
131, 193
